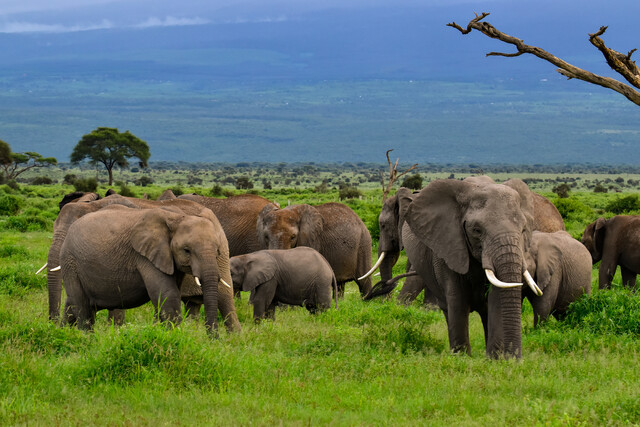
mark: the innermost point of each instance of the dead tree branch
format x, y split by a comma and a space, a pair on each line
619, 62
393, 176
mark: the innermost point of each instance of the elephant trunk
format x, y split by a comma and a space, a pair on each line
54, 276
210, 278
386, 267
505, 304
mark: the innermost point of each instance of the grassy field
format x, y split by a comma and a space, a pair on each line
366, 363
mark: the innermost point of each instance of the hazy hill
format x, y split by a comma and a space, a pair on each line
318, 84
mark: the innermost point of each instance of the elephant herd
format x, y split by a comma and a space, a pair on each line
470, 245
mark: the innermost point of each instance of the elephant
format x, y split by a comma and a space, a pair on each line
141, 256
615, 241
469, 240
561, 267
73, 211
333, 229
547, 218
298, 276
83, 197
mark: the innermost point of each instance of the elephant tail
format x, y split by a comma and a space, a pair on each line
384, 288
334, 283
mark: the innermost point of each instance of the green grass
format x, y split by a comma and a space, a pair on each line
374, 363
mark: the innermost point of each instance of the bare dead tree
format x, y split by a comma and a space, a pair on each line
621, 63
393, 176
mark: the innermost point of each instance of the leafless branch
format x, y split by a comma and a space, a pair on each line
393, 176
622, 64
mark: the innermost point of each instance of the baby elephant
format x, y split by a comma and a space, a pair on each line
298, 276
561, 266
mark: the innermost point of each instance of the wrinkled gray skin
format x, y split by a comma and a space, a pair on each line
546, 218
615, 241
561, 267
333, 229
456, 229
298, 276
73, 211
141, 256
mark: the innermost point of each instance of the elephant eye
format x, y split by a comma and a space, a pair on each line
187, 251
293, 237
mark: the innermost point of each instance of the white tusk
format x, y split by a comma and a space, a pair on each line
198, 281
377, 264
225, 283
497, 283
42, 268
532, 284
377, 274
58, 268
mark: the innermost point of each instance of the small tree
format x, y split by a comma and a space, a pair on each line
413, 182
243, 183
561, 190
393, 176
111, 148
13, 164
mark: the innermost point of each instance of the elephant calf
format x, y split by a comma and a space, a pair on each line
298, 276
561, 266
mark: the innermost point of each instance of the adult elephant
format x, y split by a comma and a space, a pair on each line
391, 219
141, 256
615, 241
333, 229
561, 267
73, 211
468, 240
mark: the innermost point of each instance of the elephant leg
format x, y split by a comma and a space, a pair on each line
341, 286
70, 316
116, 317
412, 287
628, 277
458, 311
227, 308
606, 272
270, 313
164, 294
192, 308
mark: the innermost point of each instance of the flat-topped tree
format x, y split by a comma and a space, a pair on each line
111, 148
619, 62
13, 164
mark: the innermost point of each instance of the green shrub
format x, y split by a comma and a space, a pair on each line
143, 181
216, 190
625, 204
615, 311
124, 189
413, 182
349, 192
9, 251
88, 185
41, 180
24, 223
572, 209
10, 205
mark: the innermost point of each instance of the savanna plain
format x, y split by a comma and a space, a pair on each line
365, 363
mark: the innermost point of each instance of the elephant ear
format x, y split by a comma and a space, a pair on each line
310, 226
435, 217
526, 200
261, 225
258, 270
404, 197
151, 237
548, 259
599, 231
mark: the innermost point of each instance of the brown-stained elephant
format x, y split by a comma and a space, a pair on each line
298, 276
469, 241
615, 242
73, 211
120, 257
333, 229
391, 219
561, 267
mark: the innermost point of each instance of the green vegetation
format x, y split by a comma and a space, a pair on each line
15, 164
373, 363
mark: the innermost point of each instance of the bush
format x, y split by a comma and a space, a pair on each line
143, 181
69, 179
243, 183
216, 190
572, 209
124, 189
177, 190
625, 204
613, 311
349, 192
41, 180
88, 185
10, 205
561, 190
414, 182
599, 188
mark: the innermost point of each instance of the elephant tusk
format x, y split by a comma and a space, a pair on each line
497, 283
58, 268
225, 283
42, 268
377, 264
197, 281
532, 284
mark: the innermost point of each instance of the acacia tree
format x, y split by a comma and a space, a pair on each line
111, 148
619, 62
13, 164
